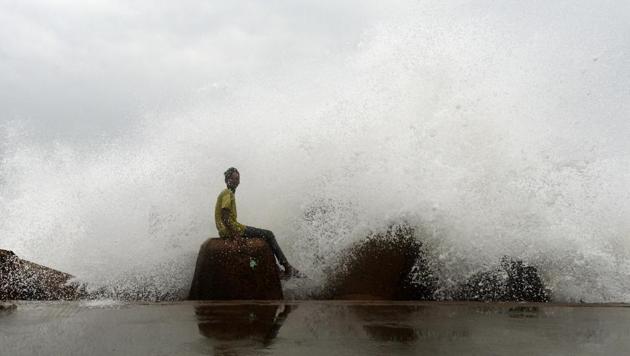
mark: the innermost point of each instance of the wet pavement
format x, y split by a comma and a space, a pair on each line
312, 328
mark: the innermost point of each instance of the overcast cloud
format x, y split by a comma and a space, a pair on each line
502, 124
73, 69
86, 68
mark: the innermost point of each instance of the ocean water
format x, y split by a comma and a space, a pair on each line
493, 128
313, 328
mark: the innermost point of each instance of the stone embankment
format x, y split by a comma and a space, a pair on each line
385, 266
24, 280
389, 265
393, 265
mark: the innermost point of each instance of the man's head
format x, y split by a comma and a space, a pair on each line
232, 178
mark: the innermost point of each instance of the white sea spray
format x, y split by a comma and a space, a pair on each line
499, 129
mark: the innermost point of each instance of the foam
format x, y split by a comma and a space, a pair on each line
498, 130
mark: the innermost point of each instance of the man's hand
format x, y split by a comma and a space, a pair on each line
225, 217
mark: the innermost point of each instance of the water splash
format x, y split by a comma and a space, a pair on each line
501, 131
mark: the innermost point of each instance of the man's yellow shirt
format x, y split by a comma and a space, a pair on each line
227, 200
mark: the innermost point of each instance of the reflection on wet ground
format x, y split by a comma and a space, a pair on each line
523, 312
387, 323
257, 323
312, 328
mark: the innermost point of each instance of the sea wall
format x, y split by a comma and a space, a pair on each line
24, 280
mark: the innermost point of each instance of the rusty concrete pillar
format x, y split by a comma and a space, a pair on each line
228, 270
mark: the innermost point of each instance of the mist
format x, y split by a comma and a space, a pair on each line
499, 128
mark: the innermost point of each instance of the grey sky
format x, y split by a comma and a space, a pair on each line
502, 123
89, 67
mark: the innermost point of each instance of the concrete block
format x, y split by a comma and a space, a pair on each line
229, 270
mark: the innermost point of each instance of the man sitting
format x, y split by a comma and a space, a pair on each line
228, 227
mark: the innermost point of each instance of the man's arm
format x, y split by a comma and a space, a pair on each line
225, 218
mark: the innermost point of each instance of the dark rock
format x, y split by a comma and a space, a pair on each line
512, 281
227, 269
386, 266
24, 280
